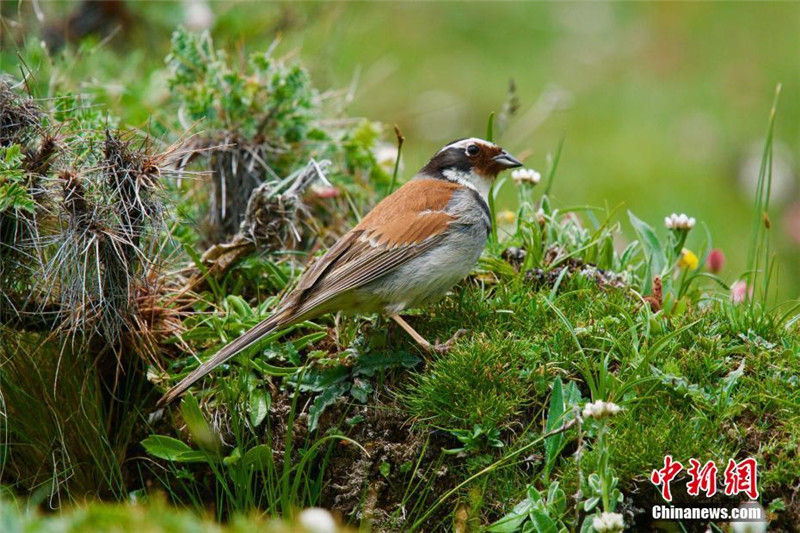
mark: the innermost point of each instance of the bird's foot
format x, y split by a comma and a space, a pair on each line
444, 347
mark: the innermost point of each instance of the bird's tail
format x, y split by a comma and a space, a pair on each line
243, 342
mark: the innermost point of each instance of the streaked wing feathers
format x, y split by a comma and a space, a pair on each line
402, 226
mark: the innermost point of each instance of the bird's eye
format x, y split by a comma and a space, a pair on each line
473, 149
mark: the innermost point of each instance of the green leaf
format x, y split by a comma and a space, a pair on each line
316, 380
257, 457
533, 494
258, 406
327, 398
591, 503
513, 520
165, 447
542, 522
202, 433
556, 499
171, 449
728, 384
555, 443
572, 395
361, 390
656, 258
194, 456
586, 526
308, 339
233, 457
12, 153
370, 363
627, 255
235, 304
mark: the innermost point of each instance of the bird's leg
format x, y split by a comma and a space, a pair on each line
411, 331
439, 347
444, 347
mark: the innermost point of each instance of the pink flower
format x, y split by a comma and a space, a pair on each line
716, 260
740, 292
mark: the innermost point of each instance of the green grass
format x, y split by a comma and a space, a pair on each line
688, 400
63, 440
477, 383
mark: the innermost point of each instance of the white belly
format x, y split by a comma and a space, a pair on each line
427, 277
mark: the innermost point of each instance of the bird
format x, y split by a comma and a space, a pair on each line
408, 251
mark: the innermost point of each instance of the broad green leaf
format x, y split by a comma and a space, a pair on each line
257, 457
513, 520
205, 437
542, 522
171, 449
316, 380
572, 395
556, 499
328, 397
370, 363
258, 406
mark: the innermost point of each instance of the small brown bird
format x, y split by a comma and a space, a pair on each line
409, 250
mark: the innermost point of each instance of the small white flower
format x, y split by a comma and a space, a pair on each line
526, 175
386, 155
608, 523
317, 520
679, 222
197, 15
600, 409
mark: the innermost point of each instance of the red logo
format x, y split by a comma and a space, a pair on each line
739, 477
664, 476
703, 478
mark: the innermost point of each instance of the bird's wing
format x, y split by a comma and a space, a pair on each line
402, 226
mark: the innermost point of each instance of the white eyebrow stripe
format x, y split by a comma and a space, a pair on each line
463, 143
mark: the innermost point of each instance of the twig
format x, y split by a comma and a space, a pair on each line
400, 141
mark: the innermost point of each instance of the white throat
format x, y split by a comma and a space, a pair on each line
470, 180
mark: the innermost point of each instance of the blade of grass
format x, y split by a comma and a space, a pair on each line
551, 172
759, 250
492, 189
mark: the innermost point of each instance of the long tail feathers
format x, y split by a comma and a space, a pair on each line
235, 347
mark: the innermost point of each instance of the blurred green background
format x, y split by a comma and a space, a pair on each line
662, 107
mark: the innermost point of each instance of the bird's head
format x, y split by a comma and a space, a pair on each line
472, 162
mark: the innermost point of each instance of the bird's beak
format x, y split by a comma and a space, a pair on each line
506, 160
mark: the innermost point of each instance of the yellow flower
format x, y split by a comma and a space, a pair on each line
688, 260
506, 217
